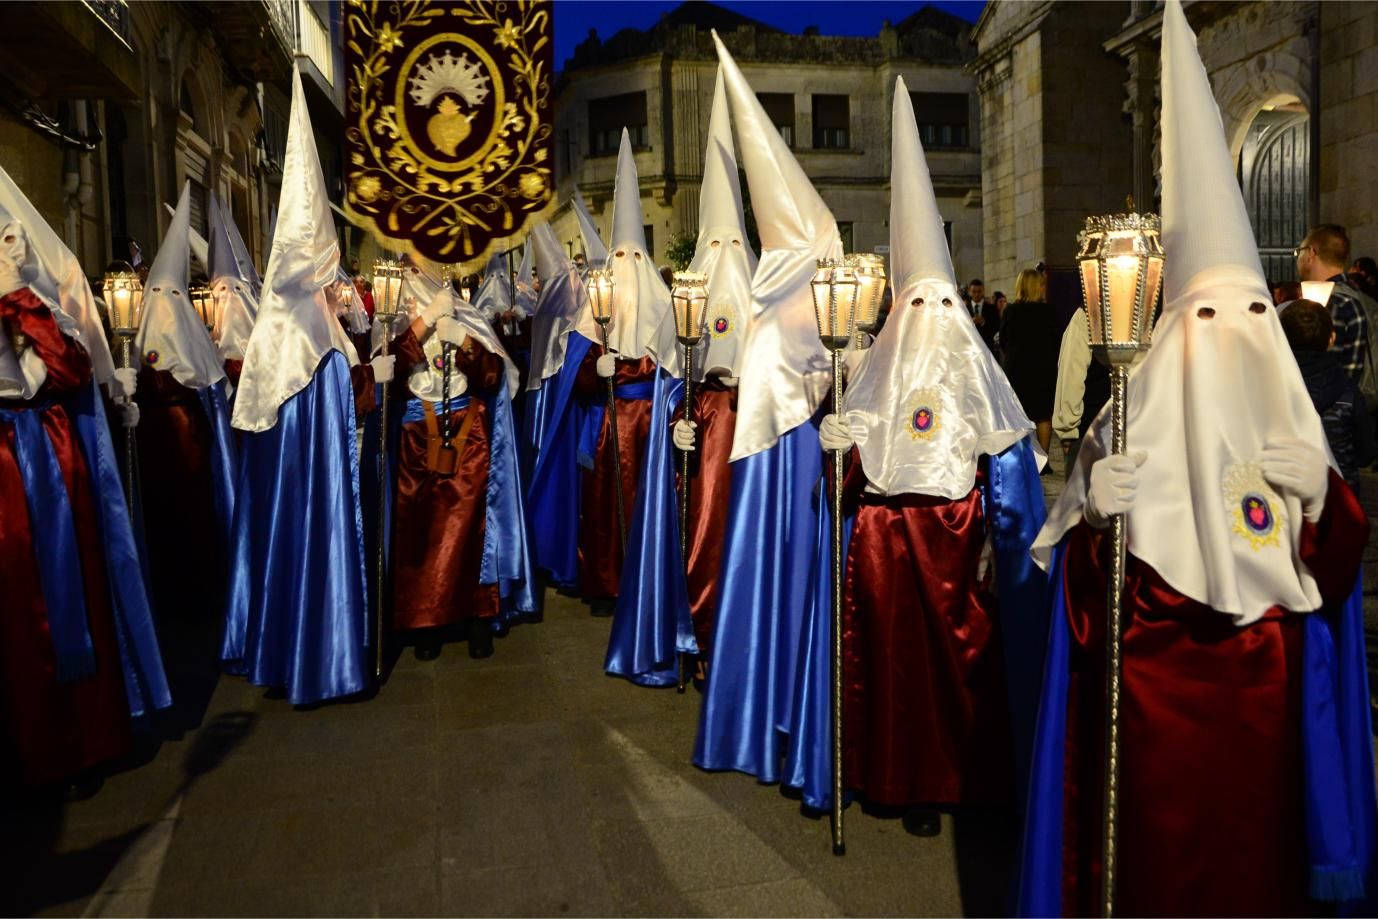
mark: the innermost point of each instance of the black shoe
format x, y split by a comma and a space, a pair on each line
480, 639
602, 609
920, 821
427, 649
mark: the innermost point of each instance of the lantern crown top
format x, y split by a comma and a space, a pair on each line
1131, 222
690, 279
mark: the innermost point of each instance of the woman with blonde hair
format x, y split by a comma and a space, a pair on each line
1030, 340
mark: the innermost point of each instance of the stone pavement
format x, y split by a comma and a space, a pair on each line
527, 784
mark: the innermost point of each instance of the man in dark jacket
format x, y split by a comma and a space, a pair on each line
1348, 427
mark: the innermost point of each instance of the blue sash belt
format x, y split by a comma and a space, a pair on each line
416, 409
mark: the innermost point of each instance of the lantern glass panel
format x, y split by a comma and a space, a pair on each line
600, 287
870, 273
1090, 280
690, 298
124, 299
1122, 272
387, 288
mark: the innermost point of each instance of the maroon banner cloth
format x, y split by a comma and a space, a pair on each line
51, 731
1211, 806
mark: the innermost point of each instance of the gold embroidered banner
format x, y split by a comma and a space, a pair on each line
448, 124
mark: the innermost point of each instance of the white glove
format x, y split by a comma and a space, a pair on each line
12, 251
607, 366
1114, 485
438, 307
384, 368
1296, 466
448, 329
684, 435
130, 413
834, 434
123, 383
730, 381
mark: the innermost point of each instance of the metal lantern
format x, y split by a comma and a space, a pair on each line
600, 285
835, 294
690, 297
870, 274
1121, 261
387, 289
204, 303
123, 293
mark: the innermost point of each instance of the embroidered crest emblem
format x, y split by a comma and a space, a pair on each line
1257, 512
151, 358
923, 417
439, 362
720, 323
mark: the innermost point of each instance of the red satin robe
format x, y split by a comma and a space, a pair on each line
233, 368
710, 483
181, 530
439, 525
49, 731
925, 704
1211, 794
600, 547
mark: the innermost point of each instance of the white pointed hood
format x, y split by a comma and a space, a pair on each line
172, 336
1215, 388
494, 294
558, 306
642, 324
526, 289
56, 278
595, 251
427, 381
21, 374
236, 303
785, 370
296, 325
722, 252
929, 398
200, 248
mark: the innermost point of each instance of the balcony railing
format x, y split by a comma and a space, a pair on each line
301, 31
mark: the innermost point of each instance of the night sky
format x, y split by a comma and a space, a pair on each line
574, 18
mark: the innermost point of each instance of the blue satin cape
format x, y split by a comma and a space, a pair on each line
554, 492
224, 462
652, 623
1014, 510
768, 564
297, 611
1337, 756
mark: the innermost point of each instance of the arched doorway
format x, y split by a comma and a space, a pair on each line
1275, 173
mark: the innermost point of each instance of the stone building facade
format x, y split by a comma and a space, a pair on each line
1075, 87
107, 107
830, 97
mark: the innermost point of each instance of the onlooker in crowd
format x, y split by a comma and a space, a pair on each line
364, 287
1001, 301
1029, 337
1285, 291
667, 274
983, 312
1364, 273
1348, 427
1322, 256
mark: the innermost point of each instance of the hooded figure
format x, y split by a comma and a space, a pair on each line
297, 612
235, 290
641, 337
650, 628
942, 471
459, 546
595, 250
769, 547
553, 416
78, 654
187, 459
1244, 696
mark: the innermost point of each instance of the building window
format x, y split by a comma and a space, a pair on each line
607, 118
844, 230
780, 109
944, 119
650, 232
831, 122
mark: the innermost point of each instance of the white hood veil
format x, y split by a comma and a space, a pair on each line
494, 294
22, 373
233, 285
785, 370
1215, 388
296, 324
56, 278
558, 305
642, 324
526, 289
427, 381
929, 398
722, 252
172, 336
